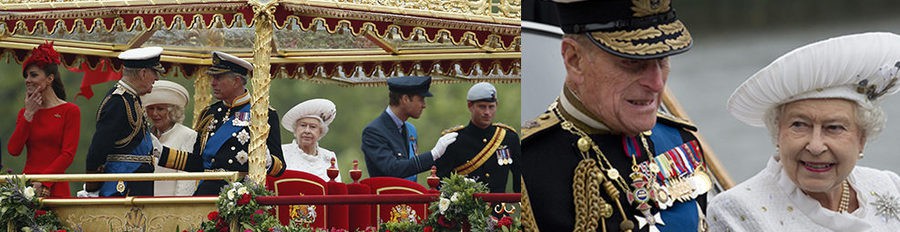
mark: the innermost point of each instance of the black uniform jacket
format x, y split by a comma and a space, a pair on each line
473, 140
550, 156
230, 155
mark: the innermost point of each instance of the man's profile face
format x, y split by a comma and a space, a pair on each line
414, 105
624, 93
226, 86
482, 113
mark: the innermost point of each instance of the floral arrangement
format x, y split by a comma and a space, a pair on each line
238, 208
20, 206
457, 209
400, 226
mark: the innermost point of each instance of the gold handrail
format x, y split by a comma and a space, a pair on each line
127, 176
129, 201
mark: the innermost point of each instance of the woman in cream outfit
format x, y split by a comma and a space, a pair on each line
309, 121
165, 109
821, 103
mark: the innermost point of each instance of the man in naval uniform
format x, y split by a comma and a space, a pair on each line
483, 150
223, 131
390, 143
603, 158
122, 142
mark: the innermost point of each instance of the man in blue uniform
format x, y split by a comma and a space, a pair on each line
603, 158
484, 150
122, 142
223, 131
390, 144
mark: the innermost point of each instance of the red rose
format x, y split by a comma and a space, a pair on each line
60, 231
212, 215
506, 221
38, 213
428, 229
245, 199
260, 212
446, 223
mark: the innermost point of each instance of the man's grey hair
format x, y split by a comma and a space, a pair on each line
130, 72
236, 75
869, 118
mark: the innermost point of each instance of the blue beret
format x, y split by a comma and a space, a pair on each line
410, 85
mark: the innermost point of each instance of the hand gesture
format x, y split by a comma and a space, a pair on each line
442, 144
33, 102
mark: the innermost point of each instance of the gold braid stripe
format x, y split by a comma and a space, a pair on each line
528, 222
136, 122
484, 154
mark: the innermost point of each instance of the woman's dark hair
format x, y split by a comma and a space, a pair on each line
57, 85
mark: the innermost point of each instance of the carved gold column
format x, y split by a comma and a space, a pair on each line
263, 18
202, 96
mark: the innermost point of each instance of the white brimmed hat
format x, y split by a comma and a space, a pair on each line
321, 109
224, 62
147, 57
859, 67
166, 92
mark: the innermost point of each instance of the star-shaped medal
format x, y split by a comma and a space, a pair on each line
650, 220
243, 137
886, 206
241, 157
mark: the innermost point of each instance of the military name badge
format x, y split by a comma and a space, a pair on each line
241, 119
503, 156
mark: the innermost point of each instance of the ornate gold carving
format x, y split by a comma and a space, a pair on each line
643, 8
263, 19
508, 9
118, 217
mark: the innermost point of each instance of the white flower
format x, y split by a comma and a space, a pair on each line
230, 194
29, 193
455, 197
470, 180
241, 191
236, 184
443, 205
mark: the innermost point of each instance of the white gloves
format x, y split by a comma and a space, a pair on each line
157, 146
83, 193
442, 144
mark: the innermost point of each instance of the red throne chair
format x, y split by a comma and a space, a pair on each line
396, 212
293, 183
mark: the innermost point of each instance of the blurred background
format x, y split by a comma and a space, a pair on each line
356, 107
732, 40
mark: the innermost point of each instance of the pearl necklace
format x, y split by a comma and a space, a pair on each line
845, 197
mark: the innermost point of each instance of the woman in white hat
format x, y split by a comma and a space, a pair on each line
821, 104
309, 122
165, 109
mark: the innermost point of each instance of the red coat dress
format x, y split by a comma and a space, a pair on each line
51, 139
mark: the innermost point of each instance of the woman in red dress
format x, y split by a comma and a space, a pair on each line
47, 126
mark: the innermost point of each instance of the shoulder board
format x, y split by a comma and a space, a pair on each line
119, 90
452, 129
542, 122
505, 126
271, 108
672, 120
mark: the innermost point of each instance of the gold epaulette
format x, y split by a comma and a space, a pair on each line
119, 90
544, 121
505, 126
672, 120
452, 129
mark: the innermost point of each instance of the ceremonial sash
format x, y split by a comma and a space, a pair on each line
143, 149
413, 146
484, 154
221, 135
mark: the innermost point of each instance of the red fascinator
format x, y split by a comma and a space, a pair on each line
41, 56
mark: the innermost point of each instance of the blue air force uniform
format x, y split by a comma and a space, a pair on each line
223, 136
122, 141
391, 145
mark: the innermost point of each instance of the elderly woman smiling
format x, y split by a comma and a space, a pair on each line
821, 104
309, 122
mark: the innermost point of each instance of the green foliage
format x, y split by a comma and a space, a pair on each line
400, 226
20, 206
457, 208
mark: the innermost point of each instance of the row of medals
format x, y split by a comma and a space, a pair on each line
646, 189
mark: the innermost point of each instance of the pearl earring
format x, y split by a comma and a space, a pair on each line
861, 155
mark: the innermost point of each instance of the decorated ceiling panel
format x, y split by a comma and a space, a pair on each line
342, 41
